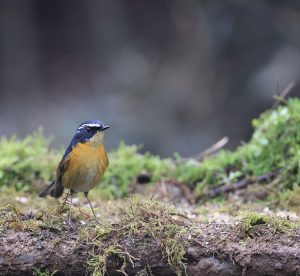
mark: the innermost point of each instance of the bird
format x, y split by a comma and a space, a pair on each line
83, 164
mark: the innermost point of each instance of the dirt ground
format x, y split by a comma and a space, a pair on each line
211, 248
183, 238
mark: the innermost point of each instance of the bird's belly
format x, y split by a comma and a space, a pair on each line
82, 180
86, 167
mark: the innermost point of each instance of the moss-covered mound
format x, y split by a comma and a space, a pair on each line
144, 221
273, 148
149, 238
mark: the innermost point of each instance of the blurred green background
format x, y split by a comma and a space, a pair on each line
171, 75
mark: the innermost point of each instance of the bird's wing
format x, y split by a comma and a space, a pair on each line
62, 167
55, 189
58, 189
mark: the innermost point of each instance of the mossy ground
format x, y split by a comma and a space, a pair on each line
143, 221
27, 165
142, 231
253, 219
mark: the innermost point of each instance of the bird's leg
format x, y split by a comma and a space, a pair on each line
64, 202
71, 203
86, 195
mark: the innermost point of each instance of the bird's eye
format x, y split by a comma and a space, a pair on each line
88, 129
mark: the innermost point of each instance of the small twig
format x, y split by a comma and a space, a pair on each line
130, 257
283, 94
122, 268
180, 215
215, 147
60, 210
199, 243
84, 213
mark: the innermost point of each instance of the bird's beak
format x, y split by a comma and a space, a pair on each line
105, 127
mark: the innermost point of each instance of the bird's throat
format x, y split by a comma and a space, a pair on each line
97, 139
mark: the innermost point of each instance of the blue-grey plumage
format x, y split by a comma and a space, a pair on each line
83, 163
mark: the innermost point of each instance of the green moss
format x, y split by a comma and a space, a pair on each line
29, 164
13, 218
125, 164
143, 222
38, 272
274, 147
291, 198
98, 262
252, 219
26, 163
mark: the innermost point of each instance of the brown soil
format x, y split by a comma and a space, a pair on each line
212, 249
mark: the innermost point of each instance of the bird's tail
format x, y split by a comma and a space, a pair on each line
55, 189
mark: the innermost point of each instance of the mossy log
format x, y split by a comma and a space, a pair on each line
211, 249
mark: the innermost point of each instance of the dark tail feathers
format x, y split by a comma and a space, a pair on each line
55, 189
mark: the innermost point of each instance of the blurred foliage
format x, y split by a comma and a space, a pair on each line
24, 163
126, 163
274, 147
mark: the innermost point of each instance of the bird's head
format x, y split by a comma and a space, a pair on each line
92, 130
89, 131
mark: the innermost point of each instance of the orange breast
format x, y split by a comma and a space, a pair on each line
86, 166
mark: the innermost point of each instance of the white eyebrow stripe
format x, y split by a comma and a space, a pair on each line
90, 125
